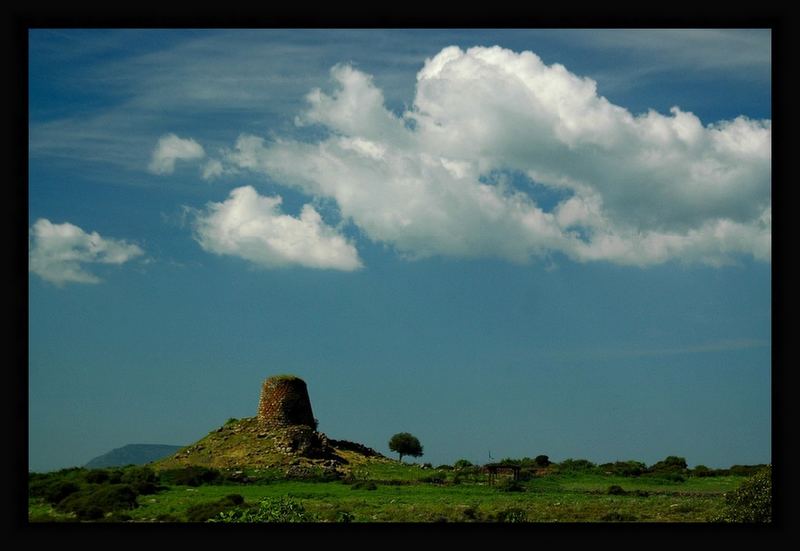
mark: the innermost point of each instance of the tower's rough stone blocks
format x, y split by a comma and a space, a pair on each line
284, 402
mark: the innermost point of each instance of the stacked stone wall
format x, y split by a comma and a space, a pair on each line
284, 402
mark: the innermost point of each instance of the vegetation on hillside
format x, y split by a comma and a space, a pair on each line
381, 490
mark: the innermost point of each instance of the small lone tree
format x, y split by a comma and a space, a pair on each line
541, 461
671, 463
405, 444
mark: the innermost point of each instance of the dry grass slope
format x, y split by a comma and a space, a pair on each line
245, 443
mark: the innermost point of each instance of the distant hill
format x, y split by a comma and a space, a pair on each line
132, 454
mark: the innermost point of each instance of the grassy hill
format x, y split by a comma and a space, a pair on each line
247, 443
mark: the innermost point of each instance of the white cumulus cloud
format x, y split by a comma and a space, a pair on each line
59, 251
634, 189
212, 169
251, 226
169, 149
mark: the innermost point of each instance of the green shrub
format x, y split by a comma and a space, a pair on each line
115, 476
666, 477
616, 490
52, 490
435, 478
462, 463
671, 463
201, 512
541, 461
132, 475
344, 516
52, 487
190, 476
509, 485
471, 472
147, 488
624, 468
94, 501
269, 510
97, 476
526, 463
470, 512
143, 480
444, 468
746, 470
236, 499
576, 465
702, 471
752, 501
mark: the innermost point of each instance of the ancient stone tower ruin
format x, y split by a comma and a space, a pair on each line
284, 402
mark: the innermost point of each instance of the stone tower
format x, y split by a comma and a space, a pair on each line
284, 402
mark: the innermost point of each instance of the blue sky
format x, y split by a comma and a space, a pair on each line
515, 242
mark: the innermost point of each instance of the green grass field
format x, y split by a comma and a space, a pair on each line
407, 493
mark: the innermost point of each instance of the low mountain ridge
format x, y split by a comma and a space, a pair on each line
132, 454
